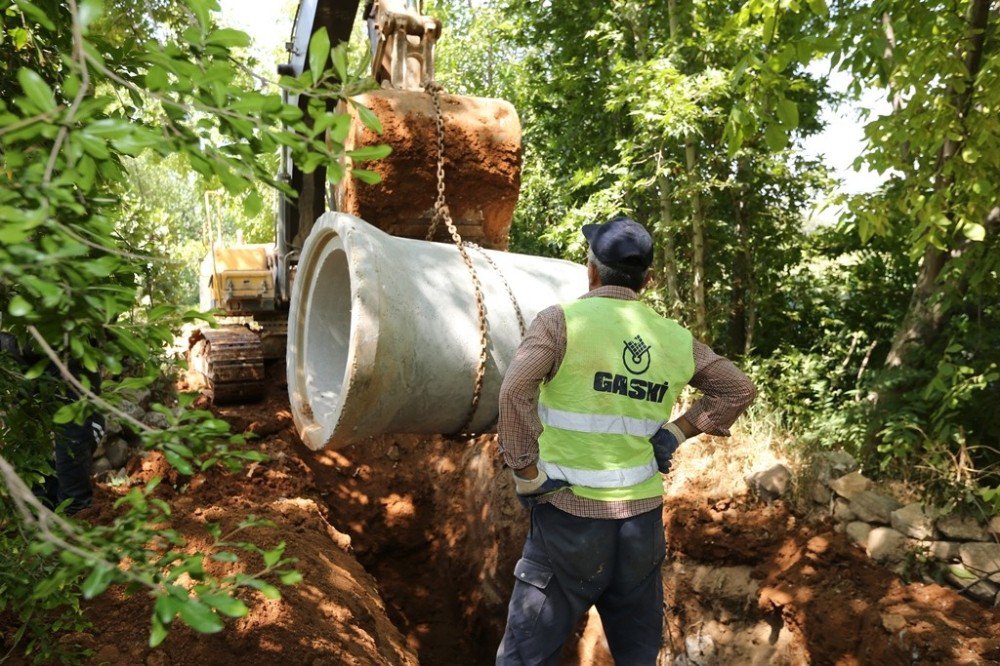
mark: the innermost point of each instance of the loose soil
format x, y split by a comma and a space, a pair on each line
482, 161
407, 545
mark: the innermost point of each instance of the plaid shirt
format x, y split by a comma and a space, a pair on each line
726, 394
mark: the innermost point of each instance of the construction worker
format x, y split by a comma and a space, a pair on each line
584, 425
73, 443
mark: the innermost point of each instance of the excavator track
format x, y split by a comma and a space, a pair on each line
231, 360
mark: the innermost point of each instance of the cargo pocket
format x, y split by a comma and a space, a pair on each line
529, 596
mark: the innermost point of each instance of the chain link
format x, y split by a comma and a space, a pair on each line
442, 214
521, 324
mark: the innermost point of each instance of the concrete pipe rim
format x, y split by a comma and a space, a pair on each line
323, 353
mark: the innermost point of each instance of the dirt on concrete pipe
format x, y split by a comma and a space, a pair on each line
482, 165
407, 546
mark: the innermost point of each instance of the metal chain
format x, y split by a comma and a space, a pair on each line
441, 213
510, 292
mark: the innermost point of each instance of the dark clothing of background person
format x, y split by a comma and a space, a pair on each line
73, 443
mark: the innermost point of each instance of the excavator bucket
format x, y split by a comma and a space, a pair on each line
482, 163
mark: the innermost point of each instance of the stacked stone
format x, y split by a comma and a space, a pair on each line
119, 444
889, 532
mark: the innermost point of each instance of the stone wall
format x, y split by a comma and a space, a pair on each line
964, 550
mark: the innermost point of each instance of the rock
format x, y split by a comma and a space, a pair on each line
770, 484
842, 510
850, 485
886, 545
994, 526
982, 559
156, 420
983, 590
832, 464
100, 466
913, 521
873, 507
821, 494
393, 453
138, 396
962, 528
117, 453
858, 531
893, 622
945, 551
132, 409
108, 654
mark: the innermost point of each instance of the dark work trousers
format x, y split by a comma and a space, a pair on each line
570, 564
74, 455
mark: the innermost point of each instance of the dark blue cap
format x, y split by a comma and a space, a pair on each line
621, 243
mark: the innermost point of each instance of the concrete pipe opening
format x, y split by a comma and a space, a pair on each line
383, 335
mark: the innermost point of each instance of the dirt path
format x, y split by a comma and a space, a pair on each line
407, 546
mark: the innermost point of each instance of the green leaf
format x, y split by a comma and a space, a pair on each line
974, 231
788, 113
199, 617
166, 608
225, 556
366, 176
180, 464
90, 11
368, 118
370, 152
36, 90
818, 7
339, 55
226, 605
36, 13
271, 557
19, 307
156, 78
252, 203
269, 591
157, 632
97, 581
775, 137
229, 38
290, 577
319, 52
66, 413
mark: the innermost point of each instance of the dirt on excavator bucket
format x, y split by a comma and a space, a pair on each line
482, 149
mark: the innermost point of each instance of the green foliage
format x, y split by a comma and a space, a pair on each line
106, 114
877, 334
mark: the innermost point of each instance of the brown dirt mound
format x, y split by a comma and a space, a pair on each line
839, 606
334, 616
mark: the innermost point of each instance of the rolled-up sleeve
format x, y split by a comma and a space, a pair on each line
726, 392
536, 360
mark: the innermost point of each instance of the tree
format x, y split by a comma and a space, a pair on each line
87, 93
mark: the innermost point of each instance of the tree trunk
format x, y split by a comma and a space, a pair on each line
666, 245
700, 328
925, 314
739, 322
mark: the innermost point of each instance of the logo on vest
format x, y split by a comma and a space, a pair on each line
636, 356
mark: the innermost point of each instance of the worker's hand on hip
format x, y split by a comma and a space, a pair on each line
665, 441
530, 490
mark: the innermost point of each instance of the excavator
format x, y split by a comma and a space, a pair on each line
477, 140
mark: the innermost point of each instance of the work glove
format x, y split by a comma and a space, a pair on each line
529, 491
665, 441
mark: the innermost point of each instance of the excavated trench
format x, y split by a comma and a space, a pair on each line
434, 525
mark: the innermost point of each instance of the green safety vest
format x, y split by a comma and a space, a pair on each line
624, 367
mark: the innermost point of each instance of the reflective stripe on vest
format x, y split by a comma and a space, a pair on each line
607, 424
623, 368
599, 478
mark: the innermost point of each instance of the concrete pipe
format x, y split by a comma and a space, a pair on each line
383, 335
